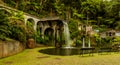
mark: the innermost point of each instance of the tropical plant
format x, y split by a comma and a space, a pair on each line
11, 28
4, 25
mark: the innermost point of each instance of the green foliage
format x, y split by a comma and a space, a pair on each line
78, 42
116, 40
4, 25
18, 15
97, 38
18, 33
73, 25
106, 42
105, 13
101, 15
30, 32
103, 42
40, 40
11, 28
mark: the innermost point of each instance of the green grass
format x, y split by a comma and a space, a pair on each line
33, 57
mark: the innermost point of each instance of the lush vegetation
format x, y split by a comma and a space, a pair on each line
11, 27
101, 14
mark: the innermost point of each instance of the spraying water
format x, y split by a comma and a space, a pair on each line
67, 35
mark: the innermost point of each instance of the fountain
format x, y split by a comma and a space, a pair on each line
68, 41
68, 49
83, 43
65, 50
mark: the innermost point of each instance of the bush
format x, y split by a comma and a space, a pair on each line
106, 42
18, 33
78, 43
11, 28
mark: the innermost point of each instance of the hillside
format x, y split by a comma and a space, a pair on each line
101, 15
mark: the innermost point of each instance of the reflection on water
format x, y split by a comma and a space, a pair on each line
61, 51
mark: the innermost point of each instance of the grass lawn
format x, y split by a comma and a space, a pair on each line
33, 57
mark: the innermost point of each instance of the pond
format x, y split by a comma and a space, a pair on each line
61, 51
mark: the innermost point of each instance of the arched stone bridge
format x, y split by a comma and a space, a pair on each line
51, 26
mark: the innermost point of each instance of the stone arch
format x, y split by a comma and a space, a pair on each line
40, 29
49, 35
30, 20
30, 23
49, 31
30, 28
39, 25
34, 20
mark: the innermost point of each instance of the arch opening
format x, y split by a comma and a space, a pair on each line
30, 22
39, 27
49, 36
50, 32
39, 33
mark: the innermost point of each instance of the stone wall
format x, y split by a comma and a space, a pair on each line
8, 48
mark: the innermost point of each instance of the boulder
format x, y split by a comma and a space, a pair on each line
31, 43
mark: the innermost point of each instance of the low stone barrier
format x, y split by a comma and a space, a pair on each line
8, 48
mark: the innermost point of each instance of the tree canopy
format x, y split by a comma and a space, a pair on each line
102, 11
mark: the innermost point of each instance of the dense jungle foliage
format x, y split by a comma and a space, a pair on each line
11, 26
101, 14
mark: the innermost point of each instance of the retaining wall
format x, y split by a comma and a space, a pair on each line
8, 48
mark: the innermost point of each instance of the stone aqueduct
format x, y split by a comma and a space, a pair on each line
52, 26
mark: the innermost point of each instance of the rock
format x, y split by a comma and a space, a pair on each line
31, 43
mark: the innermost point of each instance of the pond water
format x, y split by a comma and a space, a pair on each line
61, 51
